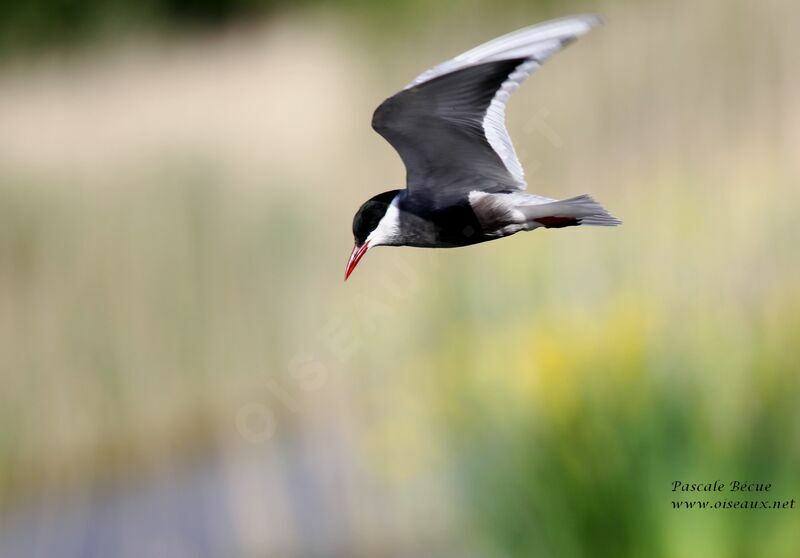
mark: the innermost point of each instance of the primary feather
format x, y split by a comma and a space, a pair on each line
448, 124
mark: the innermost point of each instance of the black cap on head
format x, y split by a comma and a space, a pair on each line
370, 214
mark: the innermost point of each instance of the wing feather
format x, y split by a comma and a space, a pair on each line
448, 125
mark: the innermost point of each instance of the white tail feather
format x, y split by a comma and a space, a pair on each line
582, 208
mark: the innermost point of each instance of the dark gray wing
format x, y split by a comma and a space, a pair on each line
448, 125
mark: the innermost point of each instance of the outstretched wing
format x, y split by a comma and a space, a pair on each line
448, 125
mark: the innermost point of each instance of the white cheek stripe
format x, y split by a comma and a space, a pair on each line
388, 228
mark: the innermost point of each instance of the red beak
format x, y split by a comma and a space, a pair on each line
355, 256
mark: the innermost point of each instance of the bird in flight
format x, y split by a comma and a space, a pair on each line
464, 182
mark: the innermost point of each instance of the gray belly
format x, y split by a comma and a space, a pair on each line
450, 227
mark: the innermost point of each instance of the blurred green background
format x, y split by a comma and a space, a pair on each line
183, 371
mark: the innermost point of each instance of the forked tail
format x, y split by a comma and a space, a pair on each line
580, 210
